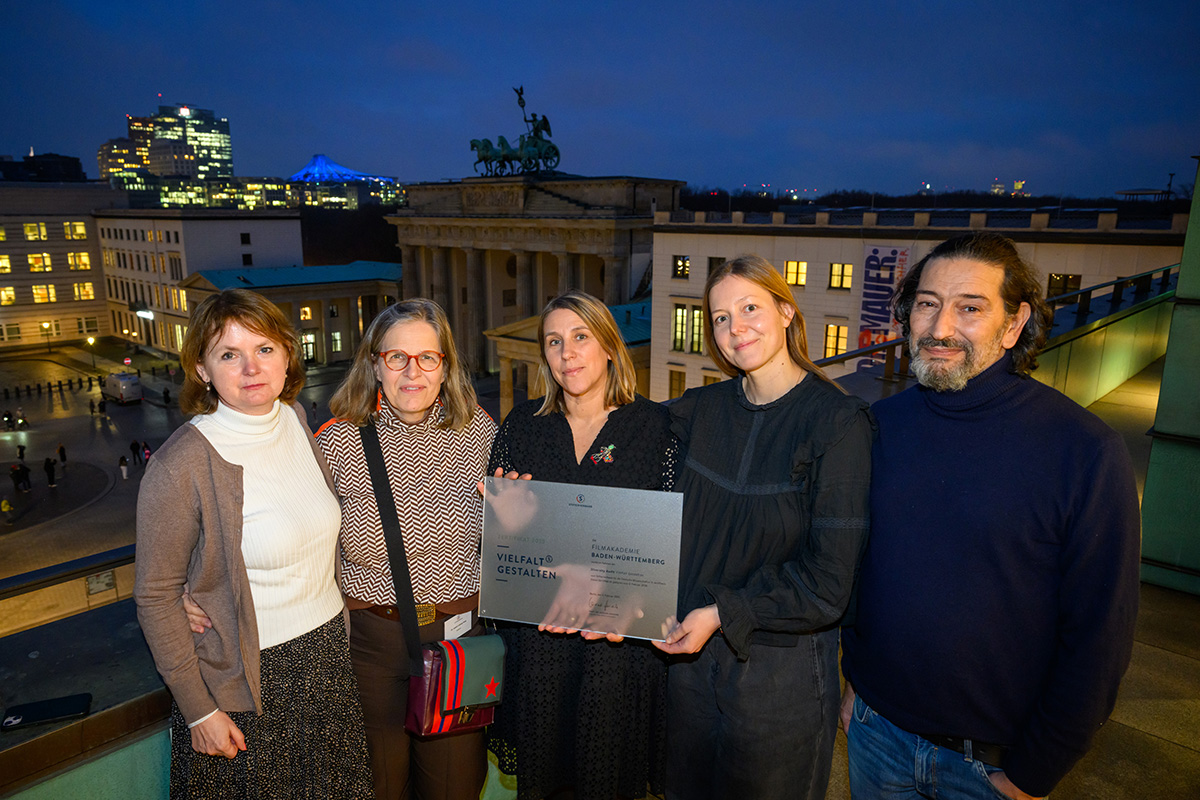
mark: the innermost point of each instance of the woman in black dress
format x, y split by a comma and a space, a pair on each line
584, 714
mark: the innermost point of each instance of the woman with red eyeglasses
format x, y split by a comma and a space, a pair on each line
406, 378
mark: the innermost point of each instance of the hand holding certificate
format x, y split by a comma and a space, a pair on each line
585, 558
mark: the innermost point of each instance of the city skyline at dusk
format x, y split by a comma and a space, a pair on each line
1077, 99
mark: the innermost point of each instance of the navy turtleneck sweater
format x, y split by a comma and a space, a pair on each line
998, 594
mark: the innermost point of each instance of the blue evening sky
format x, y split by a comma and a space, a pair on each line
1076, 98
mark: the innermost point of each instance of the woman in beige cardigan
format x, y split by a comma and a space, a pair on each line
237, 505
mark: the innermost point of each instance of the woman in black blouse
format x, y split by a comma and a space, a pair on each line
774, 520
584, 714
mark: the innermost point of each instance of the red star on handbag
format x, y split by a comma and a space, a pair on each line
491, 687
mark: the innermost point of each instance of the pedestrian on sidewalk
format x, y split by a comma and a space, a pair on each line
62, 456
92, 406
146, 451
136, 449
23, 478
166, 397
123, 463
49, 467
103, 409
7, 507
20, 452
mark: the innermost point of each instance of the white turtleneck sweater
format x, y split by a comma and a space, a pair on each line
290, 519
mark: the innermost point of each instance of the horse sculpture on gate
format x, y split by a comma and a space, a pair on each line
533, 153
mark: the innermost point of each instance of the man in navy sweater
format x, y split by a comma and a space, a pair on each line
998, 593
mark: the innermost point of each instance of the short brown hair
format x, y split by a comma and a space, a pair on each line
358, 396
207, 324
760, 271
1021, 285
620, 387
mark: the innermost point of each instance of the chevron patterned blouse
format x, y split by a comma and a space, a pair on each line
433, 473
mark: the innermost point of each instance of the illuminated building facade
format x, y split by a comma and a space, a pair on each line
324, 182
51, 281
146, 253
173, 157
841, 265
204, 131
118, 157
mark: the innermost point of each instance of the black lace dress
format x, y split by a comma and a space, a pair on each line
590, 716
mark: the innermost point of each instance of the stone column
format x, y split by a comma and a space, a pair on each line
439, 276
616, 280
410, 279
524, 282
320, 316
568, 264
506, 387
474, 343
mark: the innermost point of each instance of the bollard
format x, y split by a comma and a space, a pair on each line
39, 390
153, 372
139, 372
60, 386
27, 392
89, 382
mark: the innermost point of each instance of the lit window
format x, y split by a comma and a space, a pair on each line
697, 329
305, 312
3, 234
835, 340
35, 232
711, 379
335, 342
678, 382
682, 265
39, 262
74, 230
79, 261
679, 328
8, 295
839, 275
44, 293
84, 291
182, 300
5, 264
796, 272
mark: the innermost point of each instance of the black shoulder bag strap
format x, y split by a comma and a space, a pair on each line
397, 559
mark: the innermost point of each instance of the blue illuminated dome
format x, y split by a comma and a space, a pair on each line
324, 170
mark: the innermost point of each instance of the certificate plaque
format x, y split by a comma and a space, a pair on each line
588, 557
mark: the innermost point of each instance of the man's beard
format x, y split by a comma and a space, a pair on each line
944, 377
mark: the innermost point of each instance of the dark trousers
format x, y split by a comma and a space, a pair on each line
761, 728
449, 767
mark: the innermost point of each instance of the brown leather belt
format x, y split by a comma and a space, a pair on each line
427, 613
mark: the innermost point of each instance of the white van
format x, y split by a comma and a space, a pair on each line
124, 387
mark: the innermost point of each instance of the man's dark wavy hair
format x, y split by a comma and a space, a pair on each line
1021, 285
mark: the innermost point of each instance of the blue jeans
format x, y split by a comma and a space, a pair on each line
887, 762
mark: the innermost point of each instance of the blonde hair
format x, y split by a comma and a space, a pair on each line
358, 396
760, 271
207, 324
620, 386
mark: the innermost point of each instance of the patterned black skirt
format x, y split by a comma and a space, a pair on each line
308, 743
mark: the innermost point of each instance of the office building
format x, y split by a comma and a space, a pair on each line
51, 281
842, 265
147, 253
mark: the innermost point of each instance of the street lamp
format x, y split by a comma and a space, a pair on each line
92, 347
46, 333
